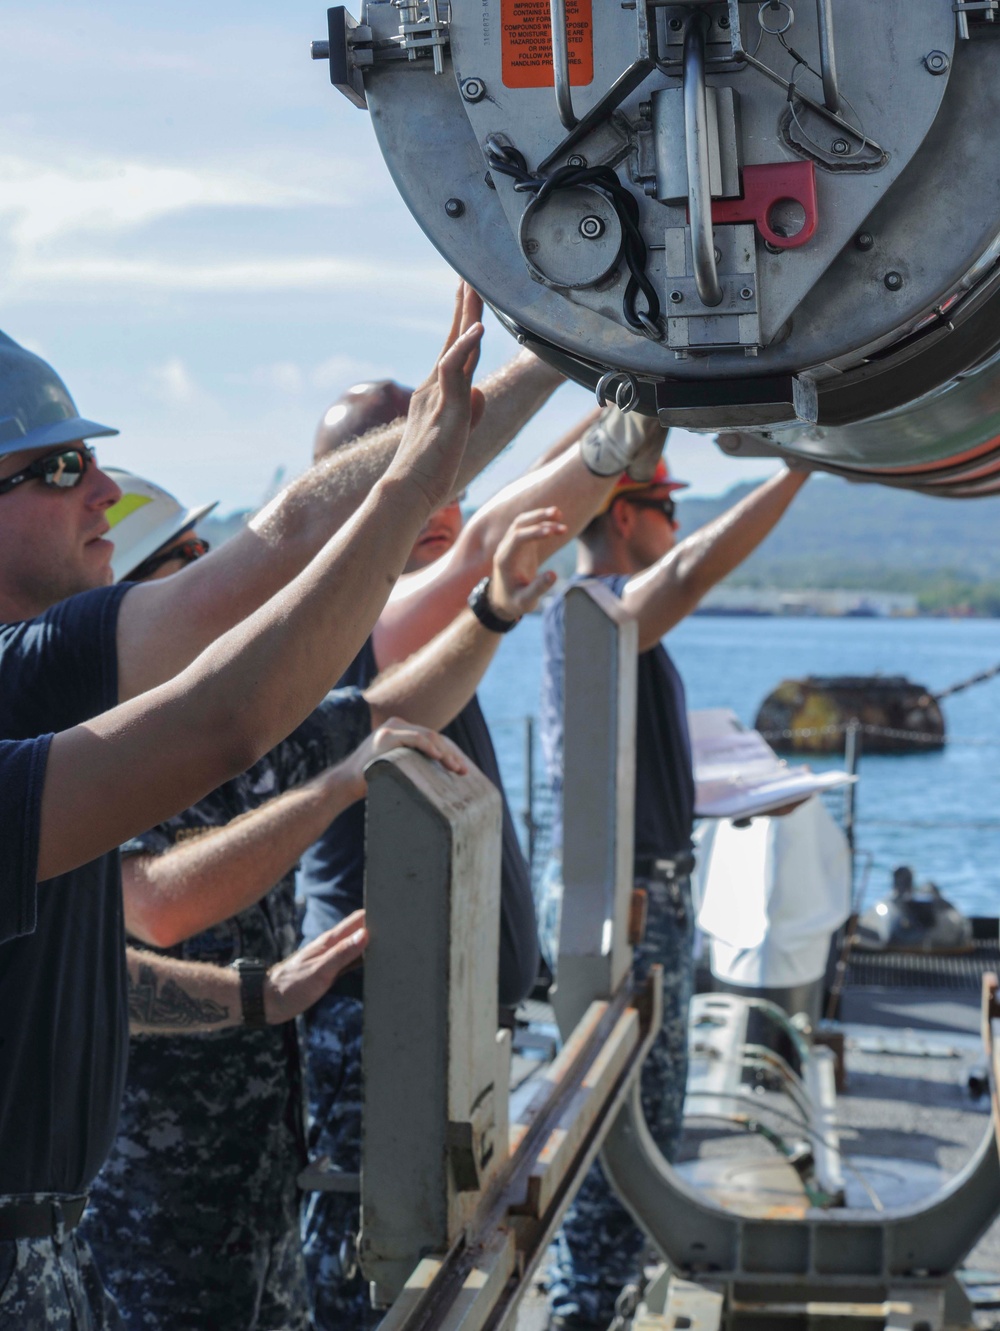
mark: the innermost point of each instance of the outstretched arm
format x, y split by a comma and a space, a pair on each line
171, 997
165, 624
422, 603
142, 762
201, 881
432, 686
663, 595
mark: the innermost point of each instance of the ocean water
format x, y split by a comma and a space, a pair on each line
938, 812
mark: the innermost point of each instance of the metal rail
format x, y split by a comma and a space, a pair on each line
827, 56
560, 63
706, 272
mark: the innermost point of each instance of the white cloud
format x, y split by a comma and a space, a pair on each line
312, 275
173, 383
101, 194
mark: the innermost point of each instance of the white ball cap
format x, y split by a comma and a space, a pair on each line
144, 519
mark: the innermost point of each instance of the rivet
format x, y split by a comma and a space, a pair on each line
893, 281
676, 297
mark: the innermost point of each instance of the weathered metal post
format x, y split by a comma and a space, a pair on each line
598, 800
435, 1071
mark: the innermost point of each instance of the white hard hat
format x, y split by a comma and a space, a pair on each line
144, 519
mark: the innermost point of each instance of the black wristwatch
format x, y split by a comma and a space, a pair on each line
253, 974
479, 604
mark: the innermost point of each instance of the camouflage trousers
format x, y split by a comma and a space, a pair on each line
52, 1284
332, 1219
600, 1248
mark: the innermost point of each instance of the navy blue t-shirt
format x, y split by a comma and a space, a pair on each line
664, 785
22, 776
332, 871
63, 992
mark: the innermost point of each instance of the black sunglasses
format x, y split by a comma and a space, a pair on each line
63, 469
665, 506
189, 551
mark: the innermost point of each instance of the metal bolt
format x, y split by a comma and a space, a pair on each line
676, 297
772, 249
723, 20
531, 246
936, 62
746, 293
321, 50
676, 24
840, 147
591, 228
454, 207
575, 159
893, 281
488, 178
718, 254
864, 240
645, 110
473, 90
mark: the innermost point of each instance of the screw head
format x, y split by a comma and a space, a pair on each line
575, 159
676, 297
864, 240
473, 90
746, 293
454, 207
840, 147
591, 228
723, 20
675, 25
893, 281
936, 62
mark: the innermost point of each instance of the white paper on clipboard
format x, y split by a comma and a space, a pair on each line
738, 775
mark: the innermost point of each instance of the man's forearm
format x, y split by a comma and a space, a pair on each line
422, 603
171, 997
433, 685
210, 878
663, 595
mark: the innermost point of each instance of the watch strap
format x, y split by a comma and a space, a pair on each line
479, 604
253, 975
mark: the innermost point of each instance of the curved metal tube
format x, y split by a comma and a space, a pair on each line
560, 63
827, 56
706, 274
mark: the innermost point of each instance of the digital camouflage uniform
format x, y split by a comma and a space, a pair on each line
332, 1219
194, 1219
54, 1281
599, 1248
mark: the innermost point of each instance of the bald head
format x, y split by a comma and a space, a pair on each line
362, 408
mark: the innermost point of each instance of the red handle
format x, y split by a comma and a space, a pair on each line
763, 187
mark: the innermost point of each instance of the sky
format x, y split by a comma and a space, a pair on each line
200, 235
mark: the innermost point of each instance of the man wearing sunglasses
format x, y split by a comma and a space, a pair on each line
632, 547
72, 647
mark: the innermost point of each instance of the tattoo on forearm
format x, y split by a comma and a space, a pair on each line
151, 1005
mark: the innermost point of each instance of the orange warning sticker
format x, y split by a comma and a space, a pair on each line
526, 43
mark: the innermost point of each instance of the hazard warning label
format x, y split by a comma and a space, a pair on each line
526, 43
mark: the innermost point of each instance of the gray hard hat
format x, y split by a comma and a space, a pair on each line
36, 410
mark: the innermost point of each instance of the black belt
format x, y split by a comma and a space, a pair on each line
49, 1219
668, 870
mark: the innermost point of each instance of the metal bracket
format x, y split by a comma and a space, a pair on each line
344, 34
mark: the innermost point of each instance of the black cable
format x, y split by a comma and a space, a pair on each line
509, 162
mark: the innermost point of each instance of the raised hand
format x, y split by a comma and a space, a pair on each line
348, 777
445, 407
516, 586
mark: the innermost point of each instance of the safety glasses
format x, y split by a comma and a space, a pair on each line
665, 506
188, 551
63, 470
